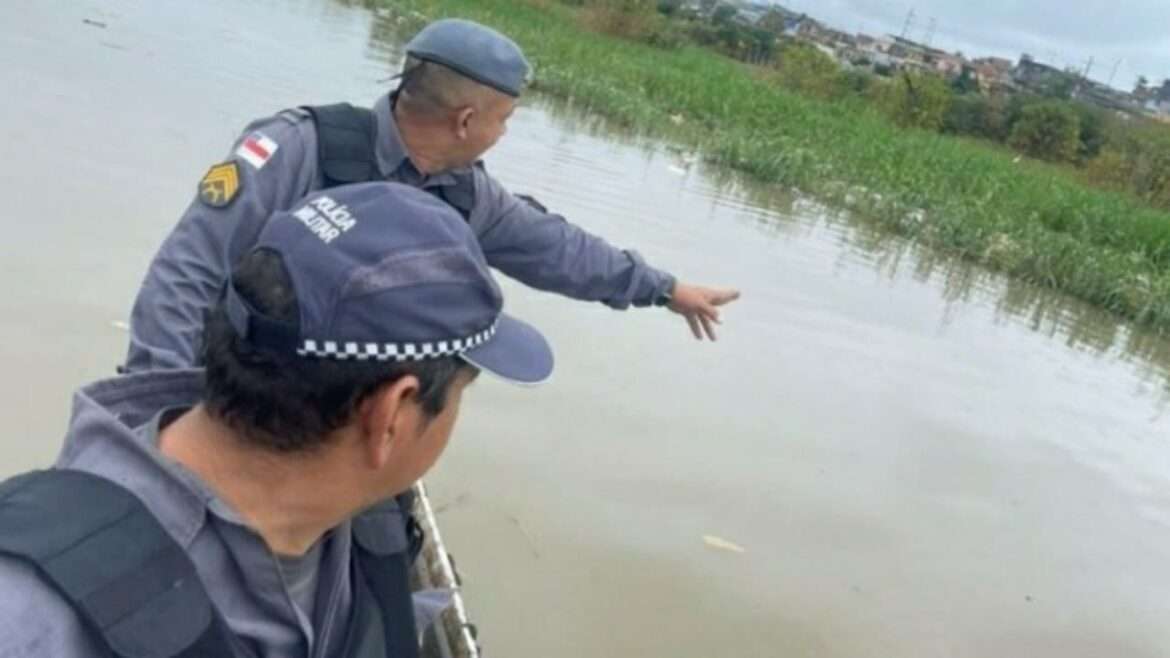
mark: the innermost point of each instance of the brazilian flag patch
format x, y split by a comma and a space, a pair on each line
220, 185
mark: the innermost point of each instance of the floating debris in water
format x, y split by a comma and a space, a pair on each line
458, 502
527, 537
94, 23
118, 324
675, 169
723, 544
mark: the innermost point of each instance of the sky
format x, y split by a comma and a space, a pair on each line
1064, 33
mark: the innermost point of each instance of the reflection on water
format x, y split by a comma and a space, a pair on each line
778, 212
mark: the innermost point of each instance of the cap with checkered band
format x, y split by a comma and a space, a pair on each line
387, 272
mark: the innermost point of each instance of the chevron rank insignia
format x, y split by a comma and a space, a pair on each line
220, 185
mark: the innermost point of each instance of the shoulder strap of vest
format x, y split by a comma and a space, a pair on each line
345, 153
345, 143
383, 555
460, 196
108, 556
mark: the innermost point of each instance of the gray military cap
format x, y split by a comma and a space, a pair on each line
475, 51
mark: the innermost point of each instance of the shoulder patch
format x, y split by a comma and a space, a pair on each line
221, 184
256, 149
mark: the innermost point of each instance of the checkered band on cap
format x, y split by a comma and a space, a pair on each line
331, 349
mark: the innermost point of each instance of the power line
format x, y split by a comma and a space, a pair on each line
1112, 75
909, 22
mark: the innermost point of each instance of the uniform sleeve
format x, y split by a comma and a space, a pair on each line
189, 269
546, 252
35, 621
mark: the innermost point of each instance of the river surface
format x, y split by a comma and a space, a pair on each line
918, 458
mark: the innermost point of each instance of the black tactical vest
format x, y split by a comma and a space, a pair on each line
137, 590
346, 137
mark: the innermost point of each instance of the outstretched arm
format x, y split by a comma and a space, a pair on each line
543, 250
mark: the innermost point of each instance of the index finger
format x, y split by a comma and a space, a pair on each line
721, 297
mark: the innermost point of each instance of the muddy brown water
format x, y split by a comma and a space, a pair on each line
919, 458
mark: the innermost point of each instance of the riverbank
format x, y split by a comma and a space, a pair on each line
1021, 217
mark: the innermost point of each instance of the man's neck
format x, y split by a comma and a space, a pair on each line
422, 148
289, 500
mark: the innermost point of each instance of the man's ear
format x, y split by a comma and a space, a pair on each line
463, 118
389, 419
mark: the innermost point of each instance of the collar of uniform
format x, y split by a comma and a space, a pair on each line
390, 150
106, 438
113, 434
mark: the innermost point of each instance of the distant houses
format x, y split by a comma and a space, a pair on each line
890, 54
994, 74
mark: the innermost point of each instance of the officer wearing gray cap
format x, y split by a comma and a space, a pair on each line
245, 510
458, 88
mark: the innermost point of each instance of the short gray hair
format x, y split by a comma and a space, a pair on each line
428, 86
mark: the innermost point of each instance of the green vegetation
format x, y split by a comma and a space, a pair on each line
1136, 160
918, 100
1049, 131
913, 100
806, 70
835, 139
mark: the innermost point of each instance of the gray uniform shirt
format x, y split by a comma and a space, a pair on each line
114, 434
540, 249
300, 578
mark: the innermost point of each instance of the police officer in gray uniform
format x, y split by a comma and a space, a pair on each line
246, 510
459, 87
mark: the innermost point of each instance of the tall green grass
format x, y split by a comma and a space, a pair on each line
1025, 218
